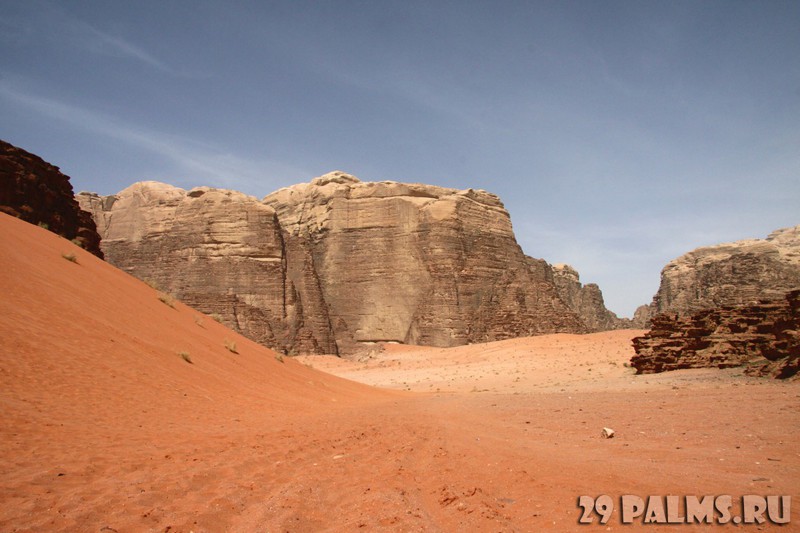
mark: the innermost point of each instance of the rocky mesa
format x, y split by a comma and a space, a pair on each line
37, 192
337, 264
731, 274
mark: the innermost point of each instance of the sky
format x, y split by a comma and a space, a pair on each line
619, 134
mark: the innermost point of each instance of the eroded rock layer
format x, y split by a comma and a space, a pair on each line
764, 337
37, 192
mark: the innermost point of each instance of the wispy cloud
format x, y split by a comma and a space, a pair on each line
43, 21
114, 45
197, 159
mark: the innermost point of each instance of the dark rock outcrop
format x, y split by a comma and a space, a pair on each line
37, 192
764, 337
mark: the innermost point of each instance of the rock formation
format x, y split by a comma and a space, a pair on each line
731, 274
586, 300
335, 265
764, 337
36, 191
418, 264
221, 252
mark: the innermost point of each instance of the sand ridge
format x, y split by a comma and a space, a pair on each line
106, 428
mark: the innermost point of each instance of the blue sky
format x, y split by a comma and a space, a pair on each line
618, 134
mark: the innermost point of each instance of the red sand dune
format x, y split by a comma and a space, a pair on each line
106, 428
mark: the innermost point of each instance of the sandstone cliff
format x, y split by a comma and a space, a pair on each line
586, 300
418, 264
37, 192
731, 274
221, 252
765, 337
337, 264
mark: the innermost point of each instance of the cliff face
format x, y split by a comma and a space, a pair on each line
334, 265
586, 300
764, 336
418, 264
221, 252
731, 274
37, 192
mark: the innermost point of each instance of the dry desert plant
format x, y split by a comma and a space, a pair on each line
230, 345
279, 357
186, 357
167, 299
70, 257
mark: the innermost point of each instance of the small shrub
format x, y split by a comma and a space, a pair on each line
167, 299
70, 257
199, 321
279, 357
230, 345
44, 225
215, 316
186, 357
152, 284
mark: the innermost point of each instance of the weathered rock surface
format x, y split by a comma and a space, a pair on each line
419, 264
223, 253
586, 300
764, 337
335, 265
737, 273
37, 192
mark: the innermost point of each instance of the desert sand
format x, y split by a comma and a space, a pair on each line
107, 427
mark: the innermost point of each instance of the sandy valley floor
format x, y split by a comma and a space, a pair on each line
105, 427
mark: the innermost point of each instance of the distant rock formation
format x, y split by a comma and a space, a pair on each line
732, 274
37, 192
336, 265
586, 300
764, 337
